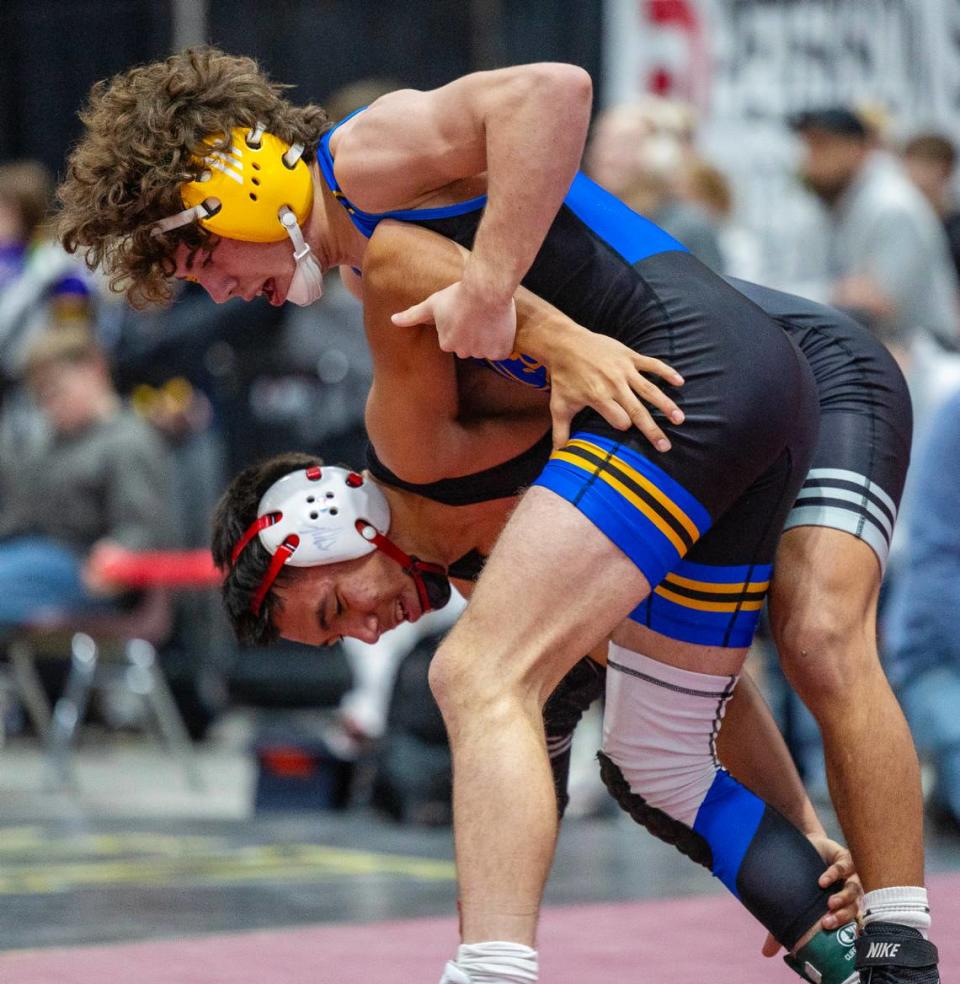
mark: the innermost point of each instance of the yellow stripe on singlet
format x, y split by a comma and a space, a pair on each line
678, 514
661, 524
708, 606
714, 588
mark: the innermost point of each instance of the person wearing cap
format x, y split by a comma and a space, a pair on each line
602, 503
889, 262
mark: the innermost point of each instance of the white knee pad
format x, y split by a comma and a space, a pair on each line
660, 727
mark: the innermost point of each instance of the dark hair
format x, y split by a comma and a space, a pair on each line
235, 511
839, 120
145, 136
932, 147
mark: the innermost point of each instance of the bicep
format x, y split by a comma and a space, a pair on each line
409, 142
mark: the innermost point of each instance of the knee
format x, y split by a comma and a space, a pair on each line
825, 653
464, 686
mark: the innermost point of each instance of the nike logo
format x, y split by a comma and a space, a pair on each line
883, 951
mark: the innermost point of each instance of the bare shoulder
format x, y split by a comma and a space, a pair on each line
382, 156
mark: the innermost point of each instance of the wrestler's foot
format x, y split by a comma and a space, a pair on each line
888, 953
828, 958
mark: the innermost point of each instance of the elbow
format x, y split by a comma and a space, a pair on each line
570, 84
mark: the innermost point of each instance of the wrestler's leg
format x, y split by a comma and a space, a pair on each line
823, 609
665, 703
540, 605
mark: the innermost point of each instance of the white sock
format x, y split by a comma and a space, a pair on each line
906, 906
494, 962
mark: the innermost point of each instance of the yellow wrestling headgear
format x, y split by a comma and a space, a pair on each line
258, 190
244, 188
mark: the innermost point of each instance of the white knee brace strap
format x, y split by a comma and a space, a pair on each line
660, 728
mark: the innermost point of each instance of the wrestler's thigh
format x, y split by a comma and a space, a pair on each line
703, 614
553, 588
826, 581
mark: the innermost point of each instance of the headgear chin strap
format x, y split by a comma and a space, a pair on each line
432, 583
325, 516
258, 190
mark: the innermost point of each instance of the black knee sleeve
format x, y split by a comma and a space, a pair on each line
777, 881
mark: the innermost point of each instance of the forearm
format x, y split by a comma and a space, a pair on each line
751, 747
535, 130
544, 332
423, 261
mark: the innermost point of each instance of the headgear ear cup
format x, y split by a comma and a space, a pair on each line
328, 515
258, 190
252, 183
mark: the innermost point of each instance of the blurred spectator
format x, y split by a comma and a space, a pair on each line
40, 284
888, 261
923, 617
931, 159
98, 476
639, 153
706, 186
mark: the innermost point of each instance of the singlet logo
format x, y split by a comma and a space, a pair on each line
522, 368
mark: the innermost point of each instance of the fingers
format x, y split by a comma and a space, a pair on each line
653, 395
614, 414
646, 364
840, 869
562, 415
844, 907
640, 417
770, 946
419, 314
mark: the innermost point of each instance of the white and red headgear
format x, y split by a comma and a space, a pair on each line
328, 515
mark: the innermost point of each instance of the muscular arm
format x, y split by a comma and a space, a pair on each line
587, 368
414, 414
525, 128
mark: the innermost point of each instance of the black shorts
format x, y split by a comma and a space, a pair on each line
860, 463
701, 522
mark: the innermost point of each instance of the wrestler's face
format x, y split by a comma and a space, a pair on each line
360, 599
240, 269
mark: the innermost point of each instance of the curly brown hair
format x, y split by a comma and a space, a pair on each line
145, 131
235, 511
